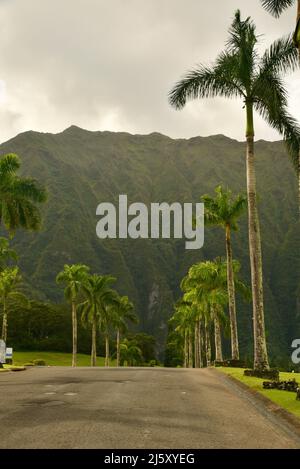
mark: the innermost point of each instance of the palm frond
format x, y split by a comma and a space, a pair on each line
9, 164
276, 7
202, 82
286, 125
30, 189
18, 197
282, 56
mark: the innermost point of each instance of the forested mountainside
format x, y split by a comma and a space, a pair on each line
82, 168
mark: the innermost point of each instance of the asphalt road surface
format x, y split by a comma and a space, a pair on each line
114, 408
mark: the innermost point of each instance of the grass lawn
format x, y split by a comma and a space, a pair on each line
285, 399
56, 358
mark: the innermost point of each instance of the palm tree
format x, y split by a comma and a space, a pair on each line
105, 322
123, 313
98, 295
206, 285
240, 72
6, 253
73, 277
130, 352
185, 318
10, 279
18, 197
276, 7
224, 211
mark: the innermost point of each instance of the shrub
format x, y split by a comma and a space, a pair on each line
291, 385
272, 374
39, 362
231, 363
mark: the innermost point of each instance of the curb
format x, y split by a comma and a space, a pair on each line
269, 405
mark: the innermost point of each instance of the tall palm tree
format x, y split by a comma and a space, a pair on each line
240, 72
10, 279
276, 7
98, 295
123, 313
224, 210
73, 277
19, 197
6, 253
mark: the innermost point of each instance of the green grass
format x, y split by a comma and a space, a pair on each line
56, 358
11, 367
285, 399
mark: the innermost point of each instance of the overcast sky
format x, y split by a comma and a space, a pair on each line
109, 64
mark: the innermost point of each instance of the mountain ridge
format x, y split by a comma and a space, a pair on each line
76, 128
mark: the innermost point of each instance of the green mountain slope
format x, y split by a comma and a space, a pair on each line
82, 169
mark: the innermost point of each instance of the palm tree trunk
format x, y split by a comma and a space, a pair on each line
299, 172
260, 347
298, 43
207, 344
94, 344
190, 350
74, 335
186, 350
118, 347
200, 344
218, 340
4, 322
235, 355
298, 19
106, 350
196, 345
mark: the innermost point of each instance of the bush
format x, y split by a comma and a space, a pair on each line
39, 362
272, 374
231, 363
291, 385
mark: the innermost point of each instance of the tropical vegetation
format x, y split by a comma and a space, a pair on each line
207, 311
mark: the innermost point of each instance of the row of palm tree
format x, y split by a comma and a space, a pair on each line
202, 306
92, 298
240, 72
224, 210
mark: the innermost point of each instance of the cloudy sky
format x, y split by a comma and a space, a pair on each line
109, 64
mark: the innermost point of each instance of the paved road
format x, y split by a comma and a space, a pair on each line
132, 408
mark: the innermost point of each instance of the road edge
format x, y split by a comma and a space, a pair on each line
268, 404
